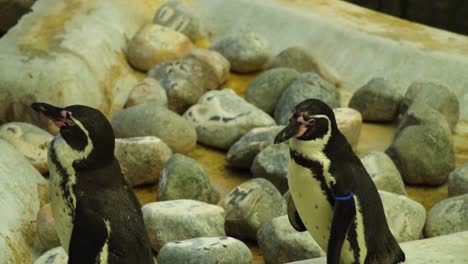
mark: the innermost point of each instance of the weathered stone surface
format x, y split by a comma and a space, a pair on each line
222, 117
458, 181
54, 256
218, 63
20, 194
184, 178
181, 219
247, 52
151, 119
281, 243
383, 172
141, 158
147, 90
250, 205
436, 96
349, 123
30, 140
244, 151
206, 250
265, 90
447, 216
46, 232
378, 100
272, 164
307, 85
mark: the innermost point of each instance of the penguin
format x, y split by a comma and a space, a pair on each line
98, 216
334, 197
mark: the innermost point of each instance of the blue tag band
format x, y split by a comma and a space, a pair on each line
344, 198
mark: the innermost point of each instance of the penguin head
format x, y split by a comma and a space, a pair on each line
83, 128
309, 120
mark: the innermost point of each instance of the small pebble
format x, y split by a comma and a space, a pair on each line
147, 90
272, 164
46, 232
458, 181
54, 256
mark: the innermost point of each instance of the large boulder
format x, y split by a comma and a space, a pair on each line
448, 216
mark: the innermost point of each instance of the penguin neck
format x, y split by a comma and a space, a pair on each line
312, 149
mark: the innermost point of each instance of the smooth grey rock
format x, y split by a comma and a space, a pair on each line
383, 172
218, 63
436, 96
181, 219
244, 151
349, 122
184, 178
147, 90
179, 17
378, 100
447, 216
53, 256
222, 117
265, 90
141, 158
272, 164
250, 205
206, 250
464, 108
154, 120
247, 52
422, 149
185, 80
46, 230
458, 181
281, 243
307, 85
405, 216
30, 140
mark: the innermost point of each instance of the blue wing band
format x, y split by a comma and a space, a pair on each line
344, 198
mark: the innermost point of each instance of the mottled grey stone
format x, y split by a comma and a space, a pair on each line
383, 172
154, 120
247, 52
464, 108
265, 90
46, 230
447, 216
422, 149
378, 100
181, 219
53, 256
272, 164
141, 158
206, 250
307, 85
436, 96
222, 117
147, 90
281, 243
184, 178
349, 122
218, 63
458, 181
250, 205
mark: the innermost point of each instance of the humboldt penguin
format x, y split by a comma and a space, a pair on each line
98, 216
335, 198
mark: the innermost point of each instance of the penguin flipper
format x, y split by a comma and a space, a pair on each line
88, 237
293, 215
344, 213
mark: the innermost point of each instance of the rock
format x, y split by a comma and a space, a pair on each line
302, 60
141, 158
218, 63
185, 81
243, 152
154, 120
30, 140
272, 164
46, 232
147, 90
206, 250
54, 256
265, 90
377, 101
281, 243
422, 149
222, 117
183, 178
349, 123
383, 172
181, 219
21, 193
458, 181
247, 52
177, 16
405, 217
154, 44
307, 85
250, 205
464, 108
447, 216
436, 96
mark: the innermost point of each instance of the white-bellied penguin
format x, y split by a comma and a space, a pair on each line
335, 198
97, 214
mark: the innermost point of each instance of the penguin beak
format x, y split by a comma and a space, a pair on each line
59, 116
291, 130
